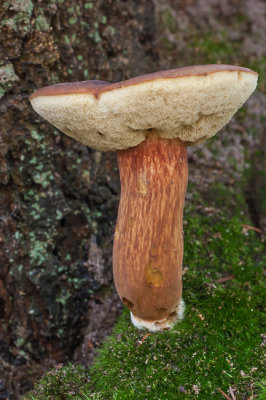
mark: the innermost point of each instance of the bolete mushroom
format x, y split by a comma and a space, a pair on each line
149, 121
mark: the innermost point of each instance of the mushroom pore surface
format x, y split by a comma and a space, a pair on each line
190, 104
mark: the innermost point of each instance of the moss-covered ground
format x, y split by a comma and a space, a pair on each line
217, 347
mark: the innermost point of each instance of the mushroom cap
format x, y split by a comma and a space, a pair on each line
190, 104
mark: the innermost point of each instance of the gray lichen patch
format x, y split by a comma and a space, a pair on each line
8, 77
42, 24
18, 15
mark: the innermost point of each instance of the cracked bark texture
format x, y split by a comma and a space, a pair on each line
59, 199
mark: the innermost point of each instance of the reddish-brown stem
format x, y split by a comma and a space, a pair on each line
148, 242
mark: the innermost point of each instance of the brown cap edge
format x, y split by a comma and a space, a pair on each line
70, 88
96, 88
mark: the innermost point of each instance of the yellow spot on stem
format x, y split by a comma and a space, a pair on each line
153, 276
142, 184
116, 235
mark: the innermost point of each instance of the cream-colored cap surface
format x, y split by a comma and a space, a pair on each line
191, 104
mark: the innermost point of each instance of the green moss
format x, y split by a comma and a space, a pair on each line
70, 380
262, 388
241, 18
217, 345
168, 20
259, 65
255, 176
214, 48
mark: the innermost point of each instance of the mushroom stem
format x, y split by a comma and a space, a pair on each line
148, 240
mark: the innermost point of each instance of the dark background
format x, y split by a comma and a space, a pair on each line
59, 199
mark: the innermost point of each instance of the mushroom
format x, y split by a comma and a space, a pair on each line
149, 121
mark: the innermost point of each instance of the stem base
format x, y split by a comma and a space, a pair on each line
166, 323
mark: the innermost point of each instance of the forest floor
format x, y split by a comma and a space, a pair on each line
218, 347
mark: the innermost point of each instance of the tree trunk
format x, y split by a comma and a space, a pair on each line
58, 199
